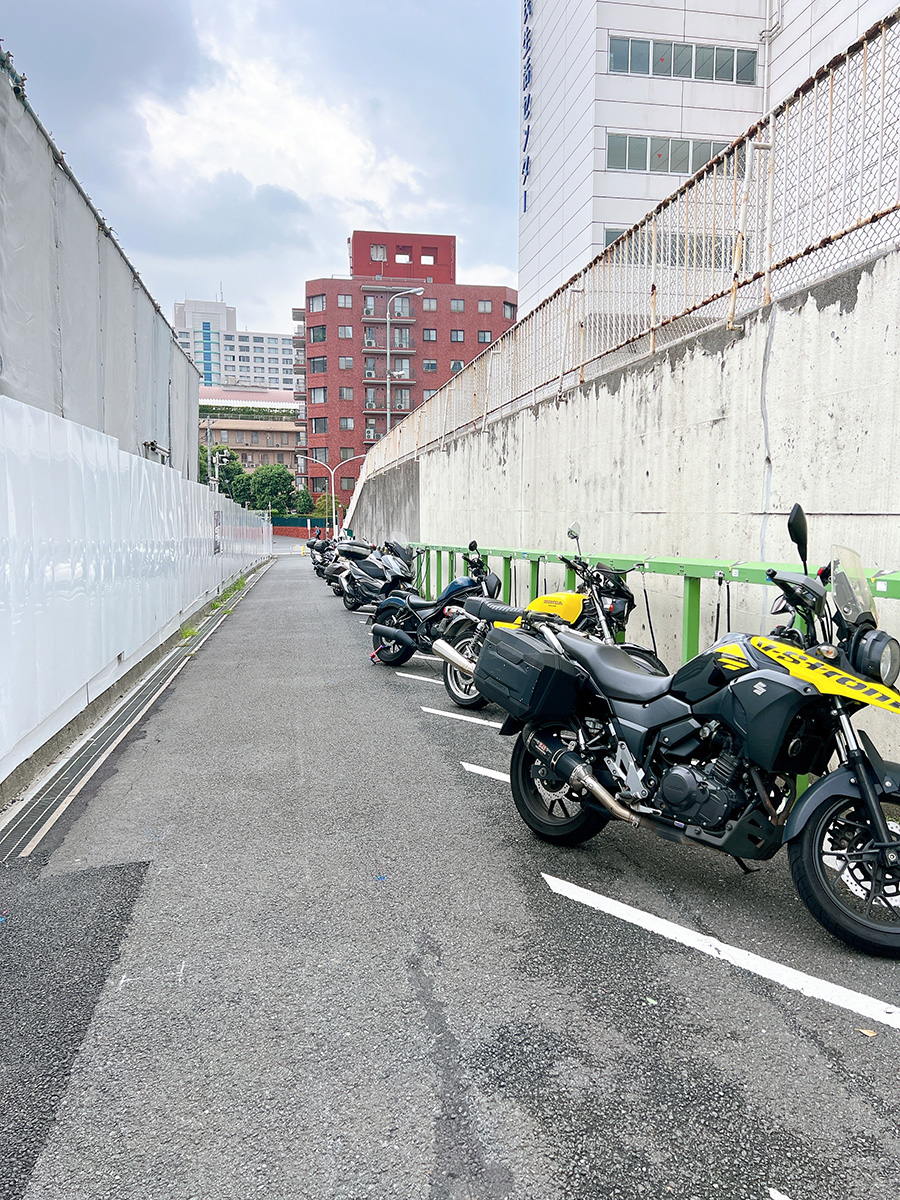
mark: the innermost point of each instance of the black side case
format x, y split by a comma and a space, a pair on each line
526, 677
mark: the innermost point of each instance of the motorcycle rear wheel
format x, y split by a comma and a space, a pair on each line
839, 879
461, 687
391, 652
550, 809
350, 602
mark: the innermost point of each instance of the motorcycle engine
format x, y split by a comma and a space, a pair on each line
703, 794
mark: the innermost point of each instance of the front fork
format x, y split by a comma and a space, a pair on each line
858, 761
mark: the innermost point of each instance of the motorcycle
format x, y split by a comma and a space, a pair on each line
600, 606
343, 553
711, 755
321, 553
368, 581
403, 624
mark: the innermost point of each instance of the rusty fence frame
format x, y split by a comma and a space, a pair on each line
810, 190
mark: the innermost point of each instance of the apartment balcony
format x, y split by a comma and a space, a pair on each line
298, 340
371, 436
298, 314
377, 343
374, 309
398, 378
301, 410
300, 367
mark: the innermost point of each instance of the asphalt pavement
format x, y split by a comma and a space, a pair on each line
286, 944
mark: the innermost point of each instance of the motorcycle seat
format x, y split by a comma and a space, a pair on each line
419, 603
613, 670
491, 610
371, 568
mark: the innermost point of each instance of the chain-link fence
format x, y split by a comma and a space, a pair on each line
808, 192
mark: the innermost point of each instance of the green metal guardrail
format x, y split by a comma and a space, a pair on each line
432, 577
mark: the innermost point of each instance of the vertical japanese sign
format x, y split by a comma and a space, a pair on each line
527, 22
217, 531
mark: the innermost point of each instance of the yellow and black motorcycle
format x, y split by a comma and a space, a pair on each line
600, 606
711, 755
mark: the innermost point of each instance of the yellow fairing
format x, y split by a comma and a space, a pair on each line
567, 605
829, 680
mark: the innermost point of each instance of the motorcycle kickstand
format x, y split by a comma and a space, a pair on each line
747, 870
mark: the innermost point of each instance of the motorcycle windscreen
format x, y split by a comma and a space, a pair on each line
850, 587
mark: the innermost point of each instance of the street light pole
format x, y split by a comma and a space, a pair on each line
331, 471
387, 314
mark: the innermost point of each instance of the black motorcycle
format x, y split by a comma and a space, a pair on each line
403, 624
711, 755
369, 580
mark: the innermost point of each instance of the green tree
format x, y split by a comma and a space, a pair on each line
304, 503
241, 488
202, 471
273, 484
325, 505
229, 470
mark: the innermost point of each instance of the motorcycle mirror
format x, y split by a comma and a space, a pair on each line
798, 532
779, 605
574, 531
473, 545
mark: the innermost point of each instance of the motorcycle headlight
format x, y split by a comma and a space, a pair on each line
877, 655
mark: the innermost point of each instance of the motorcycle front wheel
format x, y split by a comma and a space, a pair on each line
350, 602
839, 877
461, 687
550, 808
391, 652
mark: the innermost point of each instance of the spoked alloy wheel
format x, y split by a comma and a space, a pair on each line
841, 880
391, 652
461, 687
548, 807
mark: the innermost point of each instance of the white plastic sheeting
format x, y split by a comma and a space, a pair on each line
102, 556
80, 336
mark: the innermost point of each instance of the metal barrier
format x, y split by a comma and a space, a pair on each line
809, 191
885, 584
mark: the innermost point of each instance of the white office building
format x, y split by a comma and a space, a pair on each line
208, 333
621, 102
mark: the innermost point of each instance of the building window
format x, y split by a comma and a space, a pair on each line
259, 339
377, 253
369, 366
426, 395
347, 483
318, 365
243, 459
429, 335
484, 335
319, 484
429, 304
509, 311
319, 454
344, 301
316, 333
223, 436
722, 64
254, 438
345, 331
428, 258
368, 306
401, 397
401, 306
345, 363
429, 364
258, 358
671, 156
315, 303
346, 422
371, 394
347, 452
281, 458
319, 425
270, 439
484, 306
401, 368
243, 337
456, 364
457, 306
403, 254
243, 358
239, 436
345, 393
611, 235
299, 439
457, 335
318, 395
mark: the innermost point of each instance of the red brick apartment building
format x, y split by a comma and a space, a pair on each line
345, 402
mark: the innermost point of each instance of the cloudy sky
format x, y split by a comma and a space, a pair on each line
238, 143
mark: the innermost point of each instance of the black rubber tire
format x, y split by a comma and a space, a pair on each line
351, 603
460, 687
391, 653
833, 907
550, 813
337, 589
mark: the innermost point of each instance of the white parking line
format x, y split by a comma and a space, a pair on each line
798, 981
423, 678
485, 771
458, 716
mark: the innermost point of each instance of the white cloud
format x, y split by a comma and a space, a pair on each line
256, 119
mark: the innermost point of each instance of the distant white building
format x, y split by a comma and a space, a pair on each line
620, 102
208, 333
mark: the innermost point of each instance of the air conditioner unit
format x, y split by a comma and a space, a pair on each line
370, 374
368, 341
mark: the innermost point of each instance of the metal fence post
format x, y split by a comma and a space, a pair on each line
690, 618
507, 578
534, 581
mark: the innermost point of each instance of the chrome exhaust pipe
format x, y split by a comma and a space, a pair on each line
567, 765
445, 651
